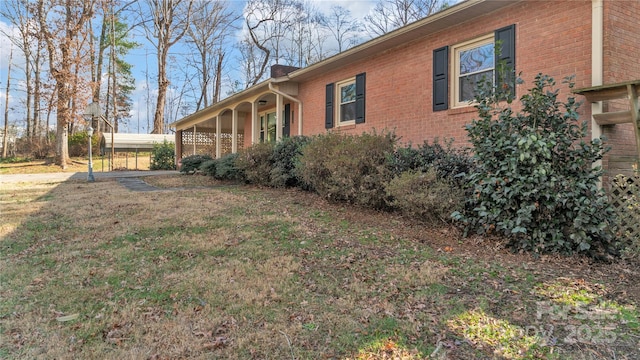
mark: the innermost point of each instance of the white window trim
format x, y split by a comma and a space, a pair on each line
476, 42
265, 114
338, 86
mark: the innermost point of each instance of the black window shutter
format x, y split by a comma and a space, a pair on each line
441, 78
286, 129
360, 98
328, 117
506, 58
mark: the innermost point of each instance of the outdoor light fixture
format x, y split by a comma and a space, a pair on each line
90, 177
262, 102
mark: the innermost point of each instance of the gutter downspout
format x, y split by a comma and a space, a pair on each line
297, 101
597, 66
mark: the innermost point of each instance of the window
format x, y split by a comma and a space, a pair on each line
346, 95
268, 127
349, 99
268, 123
473, 63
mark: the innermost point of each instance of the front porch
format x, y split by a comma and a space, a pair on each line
241, 120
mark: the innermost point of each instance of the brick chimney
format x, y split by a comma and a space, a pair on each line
281, 70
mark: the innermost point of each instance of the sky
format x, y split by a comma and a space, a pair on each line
144, 65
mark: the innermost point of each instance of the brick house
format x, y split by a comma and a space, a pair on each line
417, 80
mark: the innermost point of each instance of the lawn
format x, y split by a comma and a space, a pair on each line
123, 161
220, 271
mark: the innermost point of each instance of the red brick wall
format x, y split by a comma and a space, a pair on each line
621, 63
621, 40
552, 37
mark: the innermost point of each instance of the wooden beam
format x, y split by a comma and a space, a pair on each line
608, 92
613, 118
633, 109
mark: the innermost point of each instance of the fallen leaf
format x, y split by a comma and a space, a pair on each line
68, 317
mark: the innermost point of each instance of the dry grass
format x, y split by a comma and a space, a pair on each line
92, 270
122, 161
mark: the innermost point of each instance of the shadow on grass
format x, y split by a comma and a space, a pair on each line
93, 269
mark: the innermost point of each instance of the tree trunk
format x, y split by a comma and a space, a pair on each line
158, 118
36, 97
163, 84
31, 131
62, 129
218, 84
6, 107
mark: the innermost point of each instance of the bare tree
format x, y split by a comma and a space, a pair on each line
113, 34
306, 36
257, 18
6, 107
62, 27
211, 25
20, 16
389, 15
343, 27
253, 62
170, 21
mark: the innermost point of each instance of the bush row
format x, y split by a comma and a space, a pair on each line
531, 178
369, 170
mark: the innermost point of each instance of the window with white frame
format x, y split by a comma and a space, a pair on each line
458, 69
346, 95
268, 127
473, 62
345, 102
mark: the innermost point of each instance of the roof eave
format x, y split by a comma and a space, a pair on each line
439, 21
222, 104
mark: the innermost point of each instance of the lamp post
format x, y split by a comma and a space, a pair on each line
90, 177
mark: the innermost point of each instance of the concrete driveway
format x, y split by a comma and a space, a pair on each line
64, 176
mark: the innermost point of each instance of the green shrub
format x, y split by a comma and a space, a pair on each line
425, 196
284, 158
348, 168
15, 160
208, 167
406, 159
191, 164
79, 144
226, 168
535, 182
163, 156
255, 163
449, 162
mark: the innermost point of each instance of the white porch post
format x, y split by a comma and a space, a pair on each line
597, 52
234, 131
278, 117
194, 140
255, 126
218, 137
597, 43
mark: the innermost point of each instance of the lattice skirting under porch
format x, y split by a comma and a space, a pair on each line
205, 143
624, 193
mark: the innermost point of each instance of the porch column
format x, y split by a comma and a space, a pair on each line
178, 146
278, 117
597, 66
234, 131
255, 127
218, 137
194, 140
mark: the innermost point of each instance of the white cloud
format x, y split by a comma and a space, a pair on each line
6, 46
